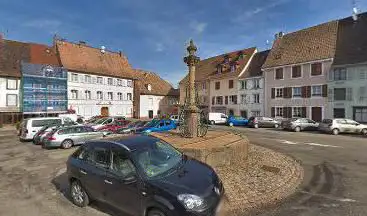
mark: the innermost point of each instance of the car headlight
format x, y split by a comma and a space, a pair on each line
191, 202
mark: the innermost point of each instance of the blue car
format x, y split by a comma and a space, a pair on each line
158, 126
237, 121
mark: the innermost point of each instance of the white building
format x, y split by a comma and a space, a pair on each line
154, 96
251, 87
100, 82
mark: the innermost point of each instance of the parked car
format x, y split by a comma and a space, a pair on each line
263, 122
93, 119
66, 137
132, 127
236, 121
336, 126
300, 124
157, 126
32, 125
217, 118
114, 126
41, 134
143, 175
105, 121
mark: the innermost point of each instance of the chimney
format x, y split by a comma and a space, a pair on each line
82, 43
120, 53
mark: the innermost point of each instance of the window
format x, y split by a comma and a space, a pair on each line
99, 95
217, 85
109, 95
255, 113
279, 111
88, 95
74, 77
243, 99
296, 71
297, 112
121, 165
129, 83
119, 82
243, 84
11, 84
340, 94
297, 92
362, 93
219, 100
129, 97
109, 81
233, 99
101, 156
74, 94
119, 96
233, 68
256, 98
316, 69
44, 122
11, 100
279, 74
87, 79
100, 80
362, 75
219, 69
279, 92
256, 83
339, 113
360, 114
230, 84
316, 90
340, 74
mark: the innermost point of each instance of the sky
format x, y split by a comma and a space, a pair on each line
153, 33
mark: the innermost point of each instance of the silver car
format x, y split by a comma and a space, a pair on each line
336, 126
66, 137
300, 124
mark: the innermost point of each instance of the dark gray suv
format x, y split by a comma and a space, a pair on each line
265, 122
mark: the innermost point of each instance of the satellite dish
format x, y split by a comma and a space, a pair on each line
103, 49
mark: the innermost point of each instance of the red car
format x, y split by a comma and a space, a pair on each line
114, 126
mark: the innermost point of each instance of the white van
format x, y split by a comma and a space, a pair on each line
217, 118
31, 126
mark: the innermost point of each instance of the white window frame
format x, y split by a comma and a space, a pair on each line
109, 95
256, 84
73, 76
312, 91
7, 100
243, 98
88, 95
322, 69
275, 73
74, 94
301, 72
282, 90
256, 98
300, 111
87, 79
110, 81
100, 80
119, 82
339, 70
99, 95
129, 83
129, 97
297, 96
277, 111
7, 84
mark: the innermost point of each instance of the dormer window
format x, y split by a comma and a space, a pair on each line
233, 68
226, 59
149, 86
219, 69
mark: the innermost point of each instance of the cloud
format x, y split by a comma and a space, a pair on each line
159, 47
198, 27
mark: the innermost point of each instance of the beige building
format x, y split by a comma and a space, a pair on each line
296, 72
217, 80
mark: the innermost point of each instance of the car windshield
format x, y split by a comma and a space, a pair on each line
152, 123
100, 121
327, 121
156, 159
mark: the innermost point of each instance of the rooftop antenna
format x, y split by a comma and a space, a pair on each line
355, 11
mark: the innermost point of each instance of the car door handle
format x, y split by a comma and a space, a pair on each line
83, 172
107, 182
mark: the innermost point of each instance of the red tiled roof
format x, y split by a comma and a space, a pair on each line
159, 86
82, 58
11, 55
310, 44
43, 54
207, 68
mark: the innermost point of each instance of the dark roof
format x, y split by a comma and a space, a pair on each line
11, 55
207, 68
159, 86
310, 44
351, 46
83, 58
254, 69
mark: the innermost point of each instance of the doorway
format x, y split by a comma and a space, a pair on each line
150, 114
316, 114
104, 111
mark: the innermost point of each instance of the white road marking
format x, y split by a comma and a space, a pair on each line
322, 145
288, 142
347, 200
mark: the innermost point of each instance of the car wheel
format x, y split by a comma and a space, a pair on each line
364, 131
231, 124
212, 122
276, 126
66, 144
256, 126
297, 129
78, 195
156, 212
335, 131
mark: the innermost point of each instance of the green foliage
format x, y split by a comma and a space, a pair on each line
17, 125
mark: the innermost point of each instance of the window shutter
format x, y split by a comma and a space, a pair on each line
272, 92
330, 95
285, 112
324, 90
349, 94
289, 92
235, 99
289, 112
303, 114
308, 91
226, 100
331, 75
273, 112
304, 91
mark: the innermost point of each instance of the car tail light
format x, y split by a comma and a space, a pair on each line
51, 138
